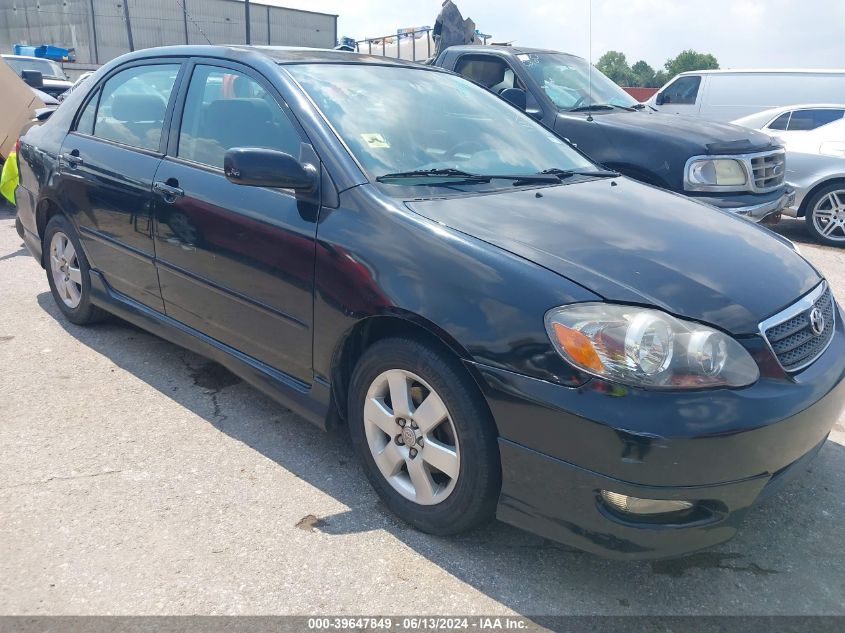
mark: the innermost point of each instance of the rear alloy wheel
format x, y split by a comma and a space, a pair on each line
64, 265
425, 436
825, 215
68, 273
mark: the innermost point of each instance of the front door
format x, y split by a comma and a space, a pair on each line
236, 262
107, 167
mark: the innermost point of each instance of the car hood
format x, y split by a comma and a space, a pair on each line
699, 135
631, 243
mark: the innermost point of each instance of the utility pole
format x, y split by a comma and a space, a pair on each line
246, 17
128, 25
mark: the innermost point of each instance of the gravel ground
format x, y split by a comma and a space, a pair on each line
138, 478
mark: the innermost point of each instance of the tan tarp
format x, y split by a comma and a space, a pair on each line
17, 107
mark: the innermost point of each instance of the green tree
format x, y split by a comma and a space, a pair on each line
642, 75
690, 60
614, 65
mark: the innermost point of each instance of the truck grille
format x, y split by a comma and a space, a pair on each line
791, 334
769, 170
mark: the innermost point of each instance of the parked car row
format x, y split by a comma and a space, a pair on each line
736, 169
507, 328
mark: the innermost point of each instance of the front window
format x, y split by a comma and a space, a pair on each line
570, 82
404, 119
48, 69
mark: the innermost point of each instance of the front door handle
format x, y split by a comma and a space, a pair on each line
168, 192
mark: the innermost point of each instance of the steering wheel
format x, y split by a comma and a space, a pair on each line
579, 102
470, 147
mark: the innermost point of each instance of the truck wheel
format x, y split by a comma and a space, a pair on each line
825, 215
424, 436
68, 273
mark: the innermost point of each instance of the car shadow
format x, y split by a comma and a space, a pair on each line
785, 559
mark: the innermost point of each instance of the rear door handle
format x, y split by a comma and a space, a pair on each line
168, 192
73, 159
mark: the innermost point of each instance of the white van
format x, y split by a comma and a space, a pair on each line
725, 95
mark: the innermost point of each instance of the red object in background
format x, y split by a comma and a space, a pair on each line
641, 94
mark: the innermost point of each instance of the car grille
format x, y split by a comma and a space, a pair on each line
793, 339
769, 170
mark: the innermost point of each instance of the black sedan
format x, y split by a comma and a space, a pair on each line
506, 328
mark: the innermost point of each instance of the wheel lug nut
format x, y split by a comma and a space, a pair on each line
402, 422
399, 440
414, 425
413, 453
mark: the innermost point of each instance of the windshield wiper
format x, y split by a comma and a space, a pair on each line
601, 106
569, 173
465, 176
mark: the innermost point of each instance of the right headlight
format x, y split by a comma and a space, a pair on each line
707, 173
648, 348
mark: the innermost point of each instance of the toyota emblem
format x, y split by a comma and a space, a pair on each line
817, 322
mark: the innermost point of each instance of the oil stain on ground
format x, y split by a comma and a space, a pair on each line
213, 376
708, 560
309, 523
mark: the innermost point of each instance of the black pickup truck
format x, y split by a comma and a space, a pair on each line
733, 168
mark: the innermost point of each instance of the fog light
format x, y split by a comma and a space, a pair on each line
634, 505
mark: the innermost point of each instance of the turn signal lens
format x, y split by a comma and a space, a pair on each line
578, 347
635, 505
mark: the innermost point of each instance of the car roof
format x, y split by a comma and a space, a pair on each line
278, 54
505, 48
765, 71
29, 58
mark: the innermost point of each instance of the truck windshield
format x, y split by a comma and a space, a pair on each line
396, 120
48, 69
566, 81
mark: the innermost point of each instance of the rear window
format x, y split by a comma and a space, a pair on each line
813, 119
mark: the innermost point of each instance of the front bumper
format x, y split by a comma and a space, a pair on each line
723, 450
751, 206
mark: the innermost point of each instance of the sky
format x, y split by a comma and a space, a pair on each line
740, 33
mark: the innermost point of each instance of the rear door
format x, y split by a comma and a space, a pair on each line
236, 263
107, 166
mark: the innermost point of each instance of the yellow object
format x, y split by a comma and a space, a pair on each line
578, 347
9, 179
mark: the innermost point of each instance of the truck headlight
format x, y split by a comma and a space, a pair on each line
707, 173
648, 348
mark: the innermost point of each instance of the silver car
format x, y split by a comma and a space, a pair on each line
815, 168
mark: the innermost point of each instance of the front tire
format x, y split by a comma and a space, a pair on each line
424, 436
825, 215
68, 273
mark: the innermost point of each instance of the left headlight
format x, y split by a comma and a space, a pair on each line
708, 173
648, 348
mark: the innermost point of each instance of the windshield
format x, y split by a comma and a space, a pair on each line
396, 119
48, 69
566, 81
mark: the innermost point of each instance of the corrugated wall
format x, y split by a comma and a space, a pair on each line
74, 23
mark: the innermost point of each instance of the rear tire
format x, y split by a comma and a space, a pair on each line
436, 445
825, 215
68, 273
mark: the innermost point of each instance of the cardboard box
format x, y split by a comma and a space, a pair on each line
17, 108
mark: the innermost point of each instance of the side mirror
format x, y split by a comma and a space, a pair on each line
516, 97
661, 98
33, 78
257, 167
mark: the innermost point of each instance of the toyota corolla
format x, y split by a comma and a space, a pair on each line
506, 328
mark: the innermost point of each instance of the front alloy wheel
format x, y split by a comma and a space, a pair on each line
424, 435
826, 215
411, 437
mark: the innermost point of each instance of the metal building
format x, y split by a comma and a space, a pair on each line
100, 30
